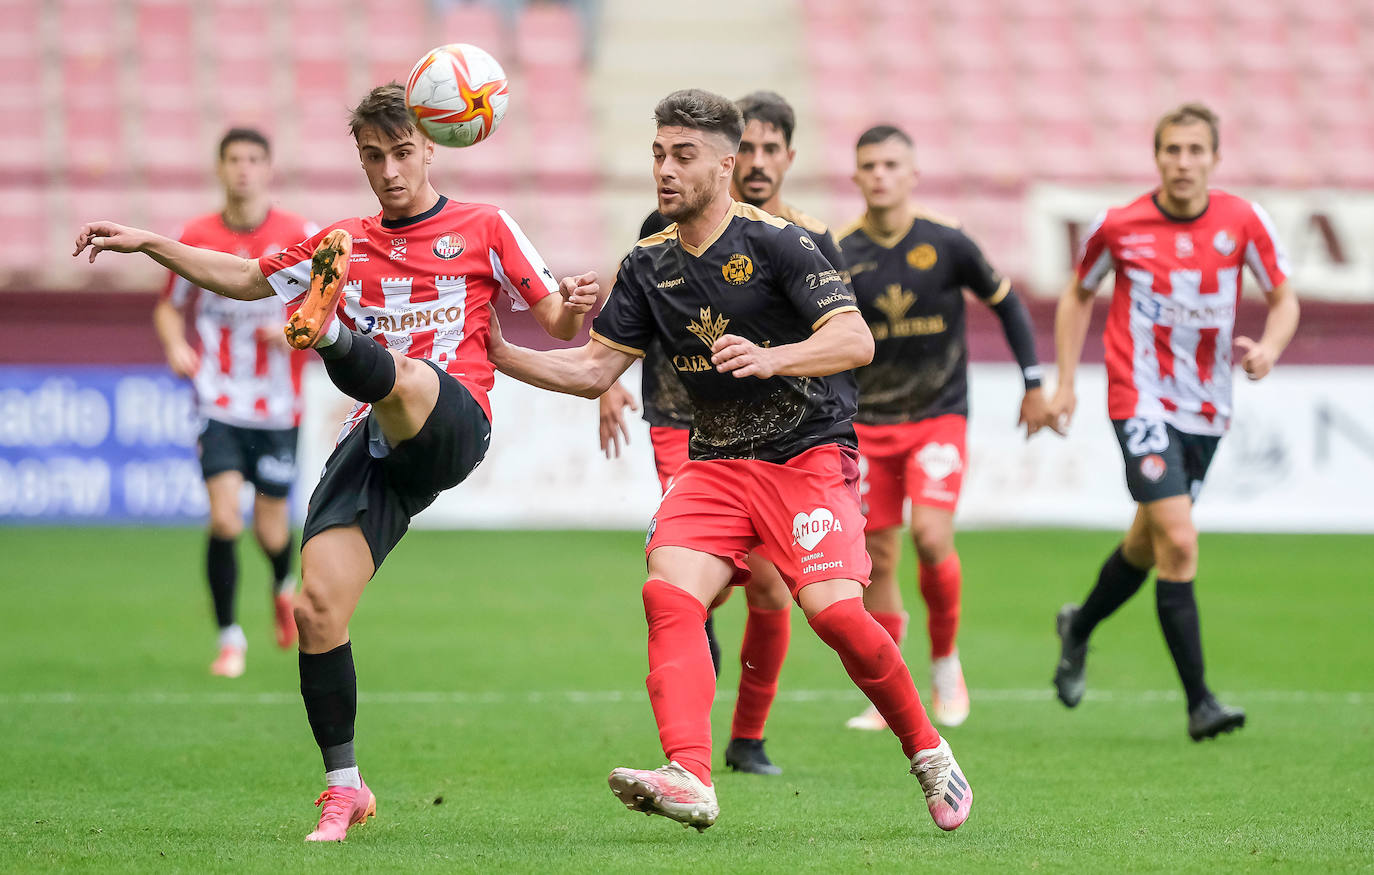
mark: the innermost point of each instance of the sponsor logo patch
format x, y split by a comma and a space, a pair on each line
809, 528
672, 283
449, 245
708, 330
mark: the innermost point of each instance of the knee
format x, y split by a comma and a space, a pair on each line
1176, 549
224, 525
933, 545
316, 620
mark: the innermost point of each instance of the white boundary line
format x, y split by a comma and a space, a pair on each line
612, 697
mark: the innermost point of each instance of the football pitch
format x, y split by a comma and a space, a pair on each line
501, 678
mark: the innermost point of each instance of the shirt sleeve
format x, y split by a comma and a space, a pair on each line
624, 322
1095, 256
976, 274
831, 250
1264, 254
288, 271
814, 285
517, 265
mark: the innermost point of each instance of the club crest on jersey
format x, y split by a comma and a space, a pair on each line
1224, 243
450, 245
738, 270
809, 528
398, 248
708, 330
1153, 467
922, 257
1183, 244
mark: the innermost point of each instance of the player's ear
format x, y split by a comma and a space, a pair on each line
791, 156
429, 151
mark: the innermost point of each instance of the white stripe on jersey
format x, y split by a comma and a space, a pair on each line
1280, 254
181, 291
292, 281
541, 270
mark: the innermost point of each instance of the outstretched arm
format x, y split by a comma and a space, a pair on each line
842, 343
1071, 317
226, 275
588, 370
561, 315
1279, 327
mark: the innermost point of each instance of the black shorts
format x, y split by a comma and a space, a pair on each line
1162, 461
266, 457
381, 488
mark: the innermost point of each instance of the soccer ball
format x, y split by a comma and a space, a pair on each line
458, 94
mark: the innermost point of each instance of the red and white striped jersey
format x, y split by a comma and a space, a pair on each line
420, 285
1168, 336
248, 375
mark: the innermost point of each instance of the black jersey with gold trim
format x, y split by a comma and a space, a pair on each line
758, 277
663, 399
910, 288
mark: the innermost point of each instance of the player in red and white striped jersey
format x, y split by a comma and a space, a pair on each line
1178, 253
397, 306
248, 385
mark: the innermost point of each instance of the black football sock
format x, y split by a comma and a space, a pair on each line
1116, 583
222, 570
361, 368
712, 642
1178, 618
281, 566
329, 687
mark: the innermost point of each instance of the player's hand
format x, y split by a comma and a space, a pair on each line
580, 293
496, 342
1035, 411
1060, 412
731, 353
613, 428
1258, 360
100, 236
183, 360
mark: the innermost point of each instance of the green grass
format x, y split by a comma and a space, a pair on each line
151, 765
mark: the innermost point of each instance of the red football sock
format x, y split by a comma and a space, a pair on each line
895, 622
766, 634
681, 681
875, 665
940, 585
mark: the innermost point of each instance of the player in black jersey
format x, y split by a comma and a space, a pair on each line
765, 154
764, 332
909, 270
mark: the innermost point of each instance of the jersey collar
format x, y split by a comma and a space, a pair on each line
1182, 220
886, 241
714, 235
392, 224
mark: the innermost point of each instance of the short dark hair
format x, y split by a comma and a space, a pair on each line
243, 135
882, 133
385, 109
1186, 114
770, 108
701, 111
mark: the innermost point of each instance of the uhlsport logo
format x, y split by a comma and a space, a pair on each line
738, 269
450, 245
809, 528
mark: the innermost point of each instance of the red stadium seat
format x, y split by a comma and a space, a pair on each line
476, 25
548, 35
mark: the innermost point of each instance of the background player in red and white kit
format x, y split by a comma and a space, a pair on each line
1177, 253
248, 388
764, 333
398, 307
909, 270
764, 156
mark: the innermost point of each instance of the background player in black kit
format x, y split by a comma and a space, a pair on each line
909, 269
761, 163
764, 332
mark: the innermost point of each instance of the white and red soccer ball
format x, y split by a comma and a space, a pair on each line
458, 94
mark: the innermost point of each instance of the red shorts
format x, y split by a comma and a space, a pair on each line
802, 515
923, 461
670, 451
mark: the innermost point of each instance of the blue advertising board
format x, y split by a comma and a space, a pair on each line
98, 445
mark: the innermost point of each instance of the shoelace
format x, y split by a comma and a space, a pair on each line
940, 766
335, 804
